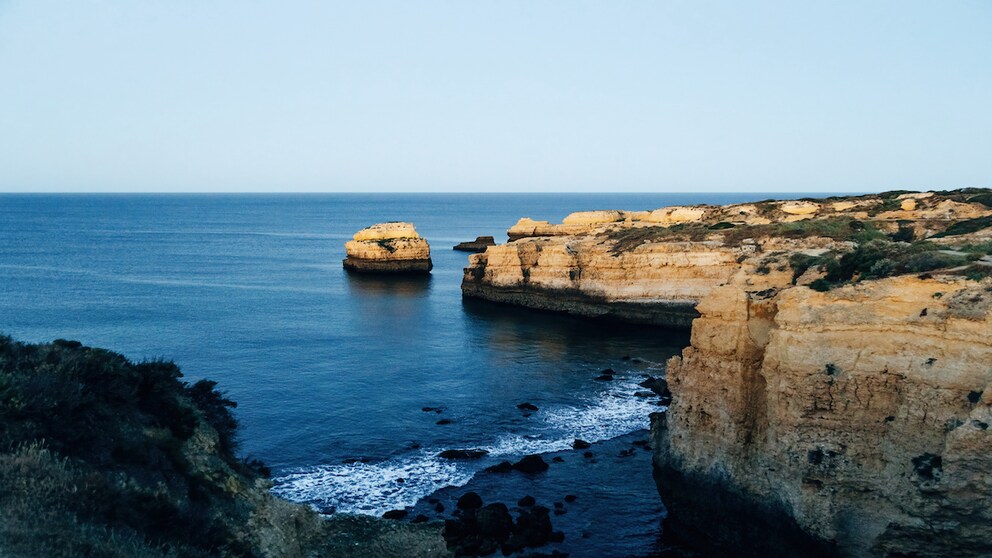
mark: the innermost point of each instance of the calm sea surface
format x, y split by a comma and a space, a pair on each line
329, 368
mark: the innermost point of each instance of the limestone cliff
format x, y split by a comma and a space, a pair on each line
853, 422
655, 266
388, 248
835, 399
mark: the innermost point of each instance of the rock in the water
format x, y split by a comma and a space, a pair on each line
439, 508
443, 421
526, 501
501, 467
527, 407
494, 521
478, 245
388, 248
394, 514
580, 444
657, 385
420, 519
463, 454
570, 498
604, 378
469, 501
531, 464
558, 459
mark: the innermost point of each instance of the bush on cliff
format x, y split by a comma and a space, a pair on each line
100, 456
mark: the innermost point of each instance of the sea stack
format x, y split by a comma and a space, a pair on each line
392, 247
478, 245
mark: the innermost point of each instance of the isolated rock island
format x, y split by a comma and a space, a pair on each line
393, 247
837, 394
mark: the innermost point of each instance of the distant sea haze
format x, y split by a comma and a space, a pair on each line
331, 371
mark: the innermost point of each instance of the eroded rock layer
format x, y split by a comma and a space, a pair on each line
852, 422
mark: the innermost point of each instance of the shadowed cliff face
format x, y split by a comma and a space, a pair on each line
856, 420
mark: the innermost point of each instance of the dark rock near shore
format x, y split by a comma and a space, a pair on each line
463, 454
604, 378
527, 407
580, 444
657, 385
526, 501
469, 501
483, 530
395, 514
501, 467
478, 245
531, 464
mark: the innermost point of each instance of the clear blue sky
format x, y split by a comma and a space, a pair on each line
218, 95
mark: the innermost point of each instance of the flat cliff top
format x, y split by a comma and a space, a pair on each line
836, 239
387, 231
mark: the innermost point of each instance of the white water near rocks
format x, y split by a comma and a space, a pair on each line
374, 488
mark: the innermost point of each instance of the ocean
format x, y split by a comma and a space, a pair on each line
332, 371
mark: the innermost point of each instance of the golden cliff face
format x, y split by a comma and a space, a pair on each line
862, 413
388, 248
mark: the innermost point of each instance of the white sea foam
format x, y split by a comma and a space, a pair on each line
374, 488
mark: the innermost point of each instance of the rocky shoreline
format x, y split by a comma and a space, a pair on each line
836, 396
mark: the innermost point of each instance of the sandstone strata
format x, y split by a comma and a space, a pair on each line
388, 248
852, 422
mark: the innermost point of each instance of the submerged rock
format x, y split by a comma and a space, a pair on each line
527, 407
469, 501
463, 454
501, 467
388, 248
531, 464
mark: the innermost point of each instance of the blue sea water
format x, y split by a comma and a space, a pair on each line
331, 371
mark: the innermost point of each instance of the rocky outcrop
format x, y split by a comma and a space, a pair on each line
835, 399
388, 248
478, 245
852, 422
654, 266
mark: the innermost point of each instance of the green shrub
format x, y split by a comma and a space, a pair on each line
100, 442
965, 227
